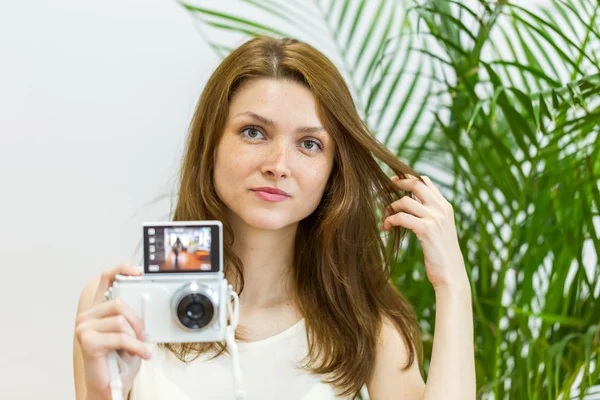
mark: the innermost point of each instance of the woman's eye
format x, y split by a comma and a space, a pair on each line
311, 145
251, 133
254, 134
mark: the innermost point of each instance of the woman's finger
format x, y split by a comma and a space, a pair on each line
96, 344
403, 219
114, 307
108, 277
420, 189
114, 323
408, 205
432, 185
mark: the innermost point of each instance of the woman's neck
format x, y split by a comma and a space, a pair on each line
267, 257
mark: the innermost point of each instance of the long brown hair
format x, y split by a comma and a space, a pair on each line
342, 266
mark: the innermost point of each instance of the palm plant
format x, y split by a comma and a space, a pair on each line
500, 105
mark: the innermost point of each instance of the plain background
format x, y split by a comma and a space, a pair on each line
95, 102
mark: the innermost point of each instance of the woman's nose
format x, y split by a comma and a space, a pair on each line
276, 164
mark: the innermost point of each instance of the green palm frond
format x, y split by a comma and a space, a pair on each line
500, 104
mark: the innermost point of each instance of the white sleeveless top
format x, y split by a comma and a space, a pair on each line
269, 371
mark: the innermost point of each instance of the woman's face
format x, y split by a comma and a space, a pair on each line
273, 140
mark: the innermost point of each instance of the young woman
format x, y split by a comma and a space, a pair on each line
278, 153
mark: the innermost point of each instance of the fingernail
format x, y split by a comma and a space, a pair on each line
138, 269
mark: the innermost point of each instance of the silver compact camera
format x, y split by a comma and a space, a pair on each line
182, 295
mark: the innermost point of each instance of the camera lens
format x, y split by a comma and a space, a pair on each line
195, 311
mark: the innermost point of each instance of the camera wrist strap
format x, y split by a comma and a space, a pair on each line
115, 371
116, 386
234, 313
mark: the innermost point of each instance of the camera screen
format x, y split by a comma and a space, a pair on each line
172, 249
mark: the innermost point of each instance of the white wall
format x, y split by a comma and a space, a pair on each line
95, 101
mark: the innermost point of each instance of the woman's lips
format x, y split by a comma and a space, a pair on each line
270, 196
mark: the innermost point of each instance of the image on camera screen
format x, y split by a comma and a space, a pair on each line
178, 249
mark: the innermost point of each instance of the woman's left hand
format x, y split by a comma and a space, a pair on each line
431, 217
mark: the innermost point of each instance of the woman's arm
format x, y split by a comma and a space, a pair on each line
102, 326
452, 369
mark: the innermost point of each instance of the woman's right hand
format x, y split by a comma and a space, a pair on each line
102, 326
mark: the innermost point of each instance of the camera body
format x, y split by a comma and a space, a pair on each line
177, 309
183, 294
